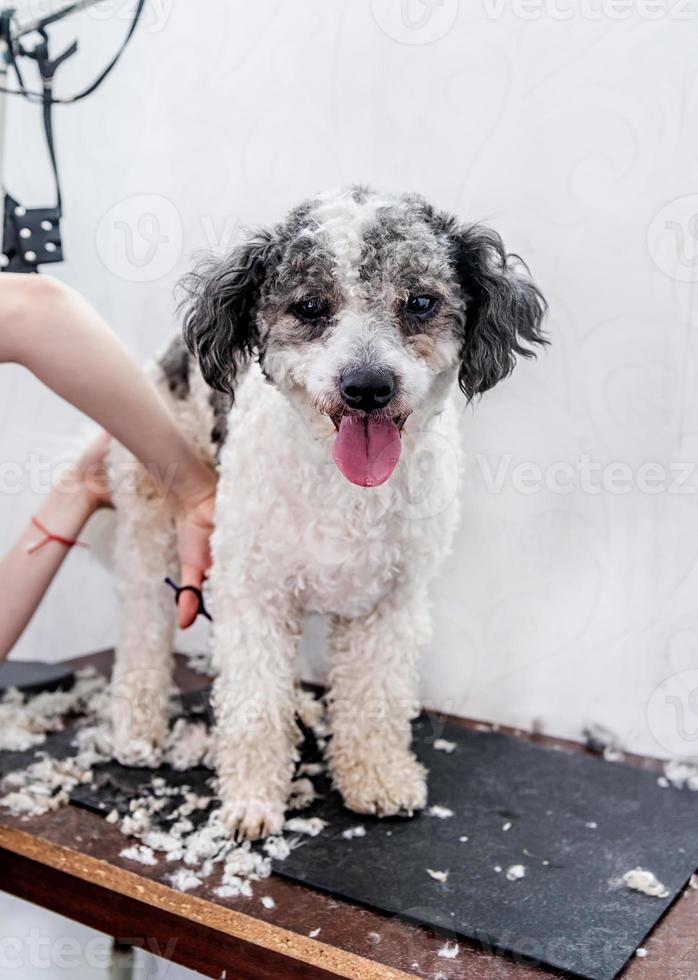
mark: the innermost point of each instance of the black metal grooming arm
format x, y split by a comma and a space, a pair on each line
31, 236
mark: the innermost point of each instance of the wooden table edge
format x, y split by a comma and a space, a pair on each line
237, 925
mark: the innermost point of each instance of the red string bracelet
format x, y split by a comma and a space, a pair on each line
50, 536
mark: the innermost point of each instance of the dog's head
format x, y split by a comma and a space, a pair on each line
363, 310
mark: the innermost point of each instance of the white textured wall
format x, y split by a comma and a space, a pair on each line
576, 139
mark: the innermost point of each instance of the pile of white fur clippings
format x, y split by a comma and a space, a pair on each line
26, 721
168, 825
24, 724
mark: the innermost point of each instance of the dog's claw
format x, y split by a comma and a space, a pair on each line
252, 819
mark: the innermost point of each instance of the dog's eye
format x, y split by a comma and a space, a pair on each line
313, 308
421, 304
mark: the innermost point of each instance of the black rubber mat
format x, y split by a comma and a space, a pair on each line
575, 824
34, 676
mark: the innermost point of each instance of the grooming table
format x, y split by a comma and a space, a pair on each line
68, 861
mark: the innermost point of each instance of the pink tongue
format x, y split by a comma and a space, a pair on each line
366, 451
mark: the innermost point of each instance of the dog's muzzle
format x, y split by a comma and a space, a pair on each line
368, 389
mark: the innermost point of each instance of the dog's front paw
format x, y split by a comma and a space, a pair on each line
139, 719
138, 745
131, 751
139, 753
250, 819
395, 787
137, 740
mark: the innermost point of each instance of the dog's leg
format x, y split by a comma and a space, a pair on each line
144, 554
373, 695
255, 649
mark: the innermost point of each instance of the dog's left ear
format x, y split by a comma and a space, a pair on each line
220, 310
504, 309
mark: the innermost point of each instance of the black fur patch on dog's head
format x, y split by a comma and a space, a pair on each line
220, 321
504, 312
504, 307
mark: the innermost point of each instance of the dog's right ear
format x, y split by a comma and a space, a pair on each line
220, 310
504, 311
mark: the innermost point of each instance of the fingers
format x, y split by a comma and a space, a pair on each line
188, 604
193, 532
187, 609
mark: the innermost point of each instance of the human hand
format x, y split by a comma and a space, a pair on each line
194, 526
193, 518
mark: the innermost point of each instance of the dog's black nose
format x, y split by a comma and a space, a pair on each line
368, 388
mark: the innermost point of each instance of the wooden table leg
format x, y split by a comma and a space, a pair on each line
123, 958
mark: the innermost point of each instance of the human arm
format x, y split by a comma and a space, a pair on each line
56, 334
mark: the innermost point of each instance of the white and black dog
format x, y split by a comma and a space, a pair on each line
342, 334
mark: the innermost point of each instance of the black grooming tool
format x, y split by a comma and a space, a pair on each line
179, 589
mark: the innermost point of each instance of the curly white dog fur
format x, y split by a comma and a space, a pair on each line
343, 335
